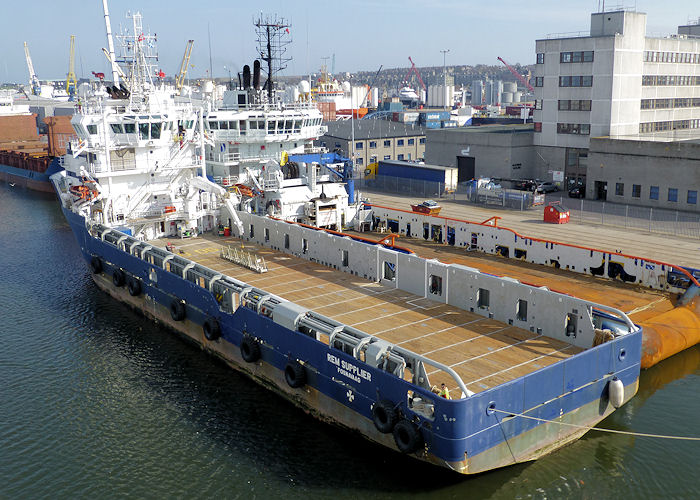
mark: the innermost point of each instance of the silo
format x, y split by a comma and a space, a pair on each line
477, 92
510, 87
517, 96
507, 97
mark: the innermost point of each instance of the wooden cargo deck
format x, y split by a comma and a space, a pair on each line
638, 303
484, 352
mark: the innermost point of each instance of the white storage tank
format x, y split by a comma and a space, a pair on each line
517, 96
506, 97
509, 87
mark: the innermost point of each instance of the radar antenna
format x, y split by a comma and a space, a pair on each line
273, 36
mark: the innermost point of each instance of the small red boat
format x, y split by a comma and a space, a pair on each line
428, 207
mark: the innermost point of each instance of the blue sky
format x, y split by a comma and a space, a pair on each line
362, 34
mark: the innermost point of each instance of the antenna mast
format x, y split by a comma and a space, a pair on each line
273, 37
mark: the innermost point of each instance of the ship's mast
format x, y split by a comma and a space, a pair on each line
273, 38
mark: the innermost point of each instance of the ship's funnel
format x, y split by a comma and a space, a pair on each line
256, 74
246, 77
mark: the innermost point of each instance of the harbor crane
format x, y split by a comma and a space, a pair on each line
71, 80
180, 78
369, 89
517, 75
33, 79
414, 70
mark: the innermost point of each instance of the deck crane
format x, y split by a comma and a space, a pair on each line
517, 75
414, 70
71, 80
180, 78
33, 79
118, 68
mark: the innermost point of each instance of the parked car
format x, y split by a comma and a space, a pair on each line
547, 187
526, 185
577, 192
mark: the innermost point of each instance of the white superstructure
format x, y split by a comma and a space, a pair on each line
154, 164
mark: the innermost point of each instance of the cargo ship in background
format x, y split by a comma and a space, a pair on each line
25, 155
360, 333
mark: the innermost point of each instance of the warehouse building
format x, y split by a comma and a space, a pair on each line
375, 140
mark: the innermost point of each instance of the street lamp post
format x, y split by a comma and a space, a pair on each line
444, 75
230, 80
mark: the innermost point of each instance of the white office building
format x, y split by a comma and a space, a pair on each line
614, 82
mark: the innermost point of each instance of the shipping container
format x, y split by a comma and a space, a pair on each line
409, 117
449, 124
433, 124
429, 173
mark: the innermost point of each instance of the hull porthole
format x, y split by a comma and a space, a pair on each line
294, 374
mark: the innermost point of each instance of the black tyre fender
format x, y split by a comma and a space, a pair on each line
96, 264
384, 415
250, 349
177, 310
134, 286
407, 437
212, 329
295, 374
118, 277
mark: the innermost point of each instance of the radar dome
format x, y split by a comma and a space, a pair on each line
304, 87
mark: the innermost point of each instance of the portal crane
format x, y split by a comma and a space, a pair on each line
71, 80
415, 70
180, 78
518, 75
33, 79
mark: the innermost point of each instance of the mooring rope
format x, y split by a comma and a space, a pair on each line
613, 431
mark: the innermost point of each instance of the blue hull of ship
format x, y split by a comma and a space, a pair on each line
463, 435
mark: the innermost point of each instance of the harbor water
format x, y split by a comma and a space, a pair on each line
97, 401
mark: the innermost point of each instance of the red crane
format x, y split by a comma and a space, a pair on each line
414, 70
518, 75
101, 76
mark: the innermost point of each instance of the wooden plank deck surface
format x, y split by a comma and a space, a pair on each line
483, 351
